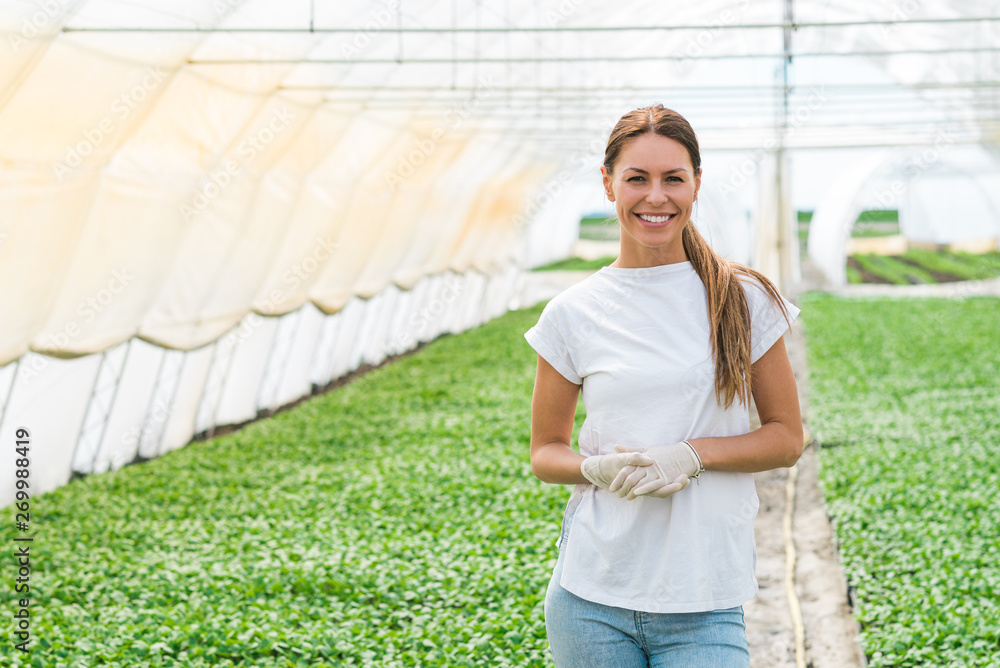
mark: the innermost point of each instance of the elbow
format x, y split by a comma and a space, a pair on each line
534, 470
537, 469
793, 456
546, 463
796, 444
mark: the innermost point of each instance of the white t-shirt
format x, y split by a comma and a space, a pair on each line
637, 340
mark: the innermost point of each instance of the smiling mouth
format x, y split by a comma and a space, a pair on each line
655, 220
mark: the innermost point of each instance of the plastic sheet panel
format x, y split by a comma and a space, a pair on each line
100, 404
833, 219
372, 312
50, 397
467, 313
376, 353
223, 352
277, 360
294, 381
447, 314
162, 404
180, 425
970, 212
398, 339
349, 331
322, 367
253, 343
120, 444
8, 374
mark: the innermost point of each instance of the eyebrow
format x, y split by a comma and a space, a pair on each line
643, 171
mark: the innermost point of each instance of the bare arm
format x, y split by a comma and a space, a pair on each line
779, 440
553, 408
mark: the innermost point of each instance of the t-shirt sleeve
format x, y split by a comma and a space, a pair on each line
549, 339
767, 322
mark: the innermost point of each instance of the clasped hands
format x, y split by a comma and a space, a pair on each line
659, 471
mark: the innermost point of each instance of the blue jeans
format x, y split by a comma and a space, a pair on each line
584, 634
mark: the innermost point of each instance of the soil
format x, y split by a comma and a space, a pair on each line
820, 587
866, 276
939, 276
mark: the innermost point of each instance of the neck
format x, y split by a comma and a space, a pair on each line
634, 256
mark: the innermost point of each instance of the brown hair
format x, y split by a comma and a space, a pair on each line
728, 311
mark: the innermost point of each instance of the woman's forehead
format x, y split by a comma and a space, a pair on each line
650, 152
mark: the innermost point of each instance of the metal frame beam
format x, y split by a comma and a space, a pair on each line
784, 25
583, 59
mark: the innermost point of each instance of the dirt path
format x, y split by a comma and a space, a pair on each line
829, 629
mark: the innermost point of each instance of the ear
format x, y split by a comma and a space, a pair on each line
606, 179
697, 184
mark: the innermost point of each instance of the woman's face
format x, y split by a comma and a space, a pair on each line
654, 188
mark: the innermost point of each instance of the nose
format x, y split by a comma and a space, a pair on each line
657, 194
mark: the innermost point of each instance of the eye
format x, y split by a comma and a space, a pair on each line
634, 179
675, 179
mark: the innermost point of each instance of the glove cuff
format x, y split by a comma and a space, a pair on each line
586, 465
697, 458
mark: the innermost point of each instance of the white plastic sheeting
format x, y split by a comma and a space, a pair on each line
834, 218
943, 195
207, 209
136, 400
955, 199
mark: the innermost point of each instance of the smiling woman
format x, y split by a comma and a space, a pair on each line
667, 345
654, 193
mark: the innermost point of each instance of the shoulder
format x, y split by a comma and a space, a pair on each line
581, 295
756, 290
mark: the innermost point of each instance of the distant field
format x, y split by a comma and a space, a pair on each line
922, 266
577, 264
599, 229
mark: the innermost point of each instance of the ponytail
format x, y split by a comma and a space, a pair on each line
728, 315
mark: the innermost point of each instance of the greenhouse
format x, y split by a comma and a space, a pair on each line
270, 265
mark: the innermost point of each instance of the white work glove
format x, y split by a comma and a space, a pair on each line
602, 469
672, 469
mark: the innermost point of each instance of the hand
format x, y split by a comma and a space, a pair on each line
672, 469
602, 469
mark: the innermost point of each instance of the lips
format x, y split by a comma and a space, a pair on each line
650, 220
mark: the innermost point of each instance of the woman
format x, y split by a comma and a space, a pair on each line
667, 345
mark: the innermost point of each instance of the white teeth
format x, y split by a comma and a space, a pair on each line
656, 219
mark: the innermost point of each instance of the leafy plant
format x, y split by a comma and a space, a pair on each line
892, 269
391, 522
919, 265
907, 395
